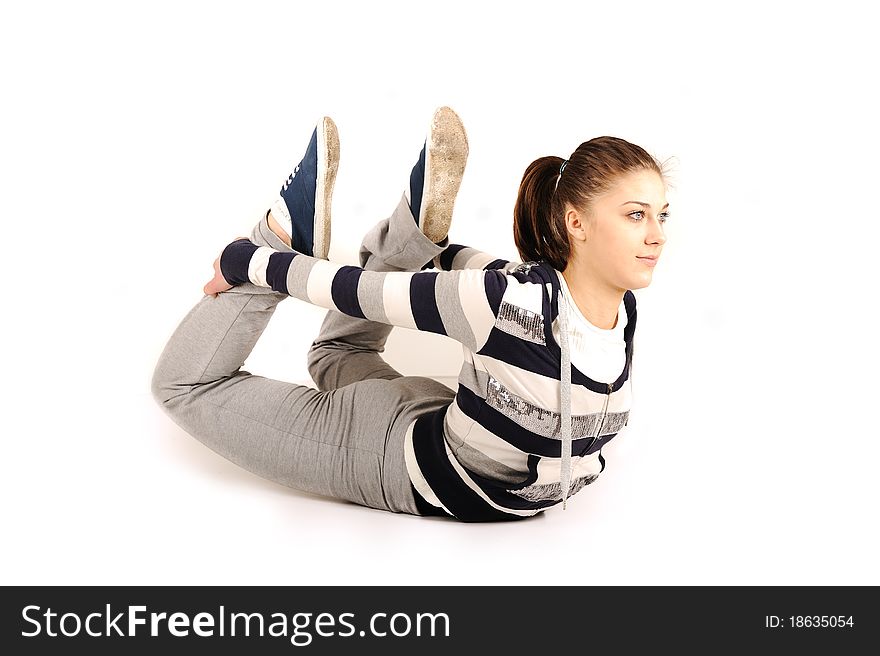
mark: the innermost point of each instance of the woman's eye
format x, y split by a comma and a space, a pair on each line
663, 215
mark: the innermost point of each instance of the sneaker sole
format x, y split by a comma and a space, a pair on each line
328, 164
445, 160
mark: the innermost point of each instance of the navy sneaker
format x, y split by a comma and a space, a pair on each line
303, 208
436, 177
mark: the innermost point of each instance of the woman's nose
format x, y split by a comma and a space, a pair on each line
656, 235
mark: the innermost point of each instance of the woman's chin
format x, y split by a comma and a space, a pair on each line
640, 281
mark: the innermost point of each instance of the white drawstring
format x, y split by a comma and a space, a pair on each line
565, 401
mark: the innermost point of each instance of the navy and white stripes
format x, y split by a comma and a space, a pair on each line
459, 304
494, 453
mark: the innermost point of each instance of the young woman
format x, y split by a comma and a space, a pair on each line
547, 343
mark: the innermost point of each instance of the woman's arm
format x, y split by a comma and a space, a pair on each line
461, 304
457, 256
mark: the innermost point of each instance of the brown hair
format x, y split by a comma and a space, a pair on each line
539, 230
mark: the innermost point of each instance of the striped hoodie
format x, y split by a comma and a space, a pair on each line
526, 427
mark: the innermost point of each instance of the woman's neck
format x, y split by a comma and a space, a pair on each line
598, 302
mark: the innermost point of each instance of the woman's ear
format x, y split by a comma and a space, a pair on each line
575, 224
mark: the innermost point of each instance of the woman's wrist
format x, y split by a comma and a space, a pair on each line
235, 261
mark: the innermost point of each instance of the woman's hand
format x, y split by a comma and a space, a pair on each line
218, 283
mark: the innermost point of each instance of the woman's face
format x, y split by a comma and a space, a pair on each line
626, 226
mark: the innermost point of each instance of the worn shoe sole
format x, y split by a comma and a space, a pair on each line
328, 164
445, 160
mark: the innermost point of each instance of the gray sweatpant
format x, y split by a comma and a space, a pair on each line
342, 440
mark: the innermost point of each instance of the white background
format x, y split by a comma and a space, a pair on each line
138, 140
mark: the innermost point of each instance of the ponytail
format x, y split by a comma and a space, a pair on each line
538, 227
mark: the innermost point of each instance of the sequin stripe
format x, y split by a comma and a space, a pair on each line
614, 422
525, 267
546, 422
520, 322
549, 491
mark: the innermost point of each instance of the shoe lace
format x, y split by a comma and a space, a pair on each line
290, 178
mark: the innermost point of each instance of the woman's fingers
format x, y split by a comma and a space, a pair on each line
218, 283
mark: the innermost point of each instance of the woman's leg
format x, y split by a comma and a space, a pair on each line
348, 349
346, 443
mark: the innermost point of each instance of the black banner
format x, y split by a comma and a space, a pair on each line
391, 620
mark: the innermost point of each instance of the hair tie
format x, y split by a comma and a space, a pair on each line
559, 177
